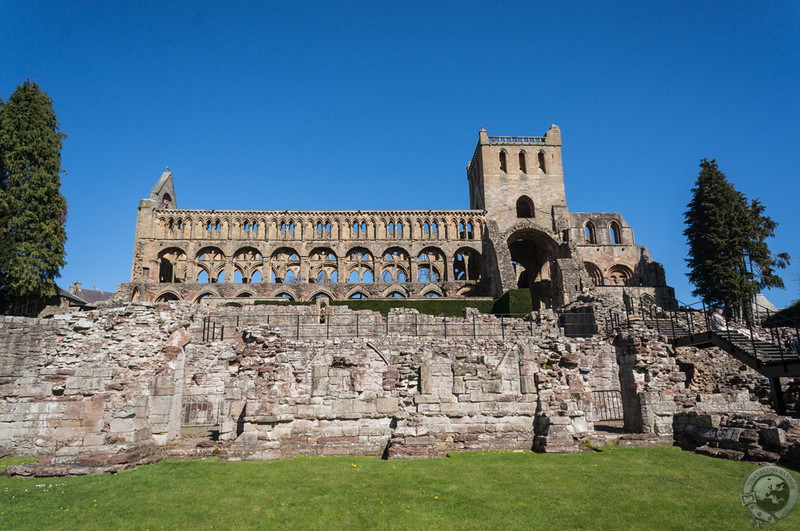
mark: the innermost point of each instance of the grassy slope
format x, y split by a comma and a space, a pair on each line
658, 488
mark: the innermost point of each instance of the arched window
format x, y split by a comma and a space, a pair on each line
525, 207
466, 265
620, 275
395, 295
540, 160
523, 167
256, 278
614, 233
503, 161
594, 273
589, 233
432, 295
357, 295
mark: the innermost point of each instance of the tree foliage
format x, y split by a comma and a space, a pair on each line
32, 210
729, 259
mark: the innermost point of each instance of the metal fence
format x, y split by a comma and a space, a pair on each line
311, 326
201, 410
607, 405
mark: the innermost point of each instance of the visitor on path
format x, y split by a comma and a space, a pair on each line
717, 321
791, 344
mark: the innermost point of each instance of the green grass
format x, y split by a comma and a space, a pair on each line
619, 488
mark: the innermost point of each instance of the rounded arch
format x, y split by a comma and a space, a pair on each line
245, 294
614, 233
432, 291
525, 207
620, 275
135, 295
595, 274
589, 232
533, 257
168, 296
466, 264
357, 294
172, 265
397, 289
284, 295
540, 160
503, 160
323, 293
204, 295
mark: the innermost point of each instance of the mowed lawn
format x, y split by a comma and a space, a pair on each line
618, 488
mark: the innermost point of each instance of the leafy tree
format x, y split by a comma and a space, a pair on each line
729, 259
32, 210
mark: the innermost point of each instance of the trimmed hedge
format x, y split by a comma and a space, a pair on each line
447, 307
514, 301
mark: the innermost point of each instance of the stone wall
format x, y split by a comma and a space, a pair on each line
110, 382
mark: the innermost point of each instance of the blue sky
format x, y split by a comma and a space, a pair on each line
377, 105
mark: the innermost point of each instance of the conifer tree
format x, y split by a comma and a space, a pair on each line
32, 210
729, 259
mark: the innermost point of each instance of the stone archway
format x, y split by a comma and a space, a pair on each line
533, 255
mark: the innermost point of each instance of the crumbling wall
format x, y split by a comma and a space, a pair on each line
80, 382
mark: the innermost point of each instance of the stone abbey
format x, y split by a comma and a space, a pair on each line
517, 233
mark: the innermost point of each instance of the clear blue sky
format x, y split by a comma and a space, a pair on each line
377, 105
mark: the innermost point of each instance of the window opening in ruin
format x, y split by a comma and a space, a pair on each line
426, 228
614, 233
244, 294
540, 160
166, 201
357, 295
285, 296
462, 234
328, 228
525, 207
432, 295
256, 278
319, 229
470, 231
145, 272
202, 277
321, 277
532, 255
425, 273
292, 276
220, 278
237, 277
364, 227
360, 275
165, 297
395, 295
523, 167
503, 163
466, 265
589, 233
246, 226
171, 266
217, 226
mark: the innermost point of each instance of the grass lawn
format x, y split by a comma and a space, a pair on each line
619, 488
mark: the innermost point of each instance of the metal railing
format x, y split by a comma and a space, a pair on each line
311, 326
607, 405
201, 410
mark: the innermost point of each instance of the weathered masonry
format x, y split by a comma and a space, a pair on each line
518, 233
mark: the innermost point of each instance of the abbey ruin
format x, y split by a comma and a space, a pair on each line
518, 233
102, 390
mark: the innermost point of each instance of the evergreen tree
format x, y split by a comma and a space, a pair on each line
729, 259
32, 210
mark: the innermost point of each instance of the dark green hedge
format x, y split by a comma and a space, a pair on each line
514, 301
450, 308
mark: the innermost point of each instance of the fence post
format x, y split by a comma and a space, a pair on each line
205, 323
473, 326
356, 325
387, 324
416, 329
222, 333
445, 327
297, 329
213, 330
328, 326
502, 328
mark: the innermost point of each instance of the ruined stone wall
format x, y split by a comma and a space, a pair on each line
112, 381
99, 380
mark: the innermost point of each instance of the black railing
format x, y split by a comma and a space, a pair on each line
607, 405
312, 326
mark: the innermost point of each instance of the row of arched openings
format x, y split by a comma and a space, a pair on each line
522, 161
323, 266
616, 275
614, 233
